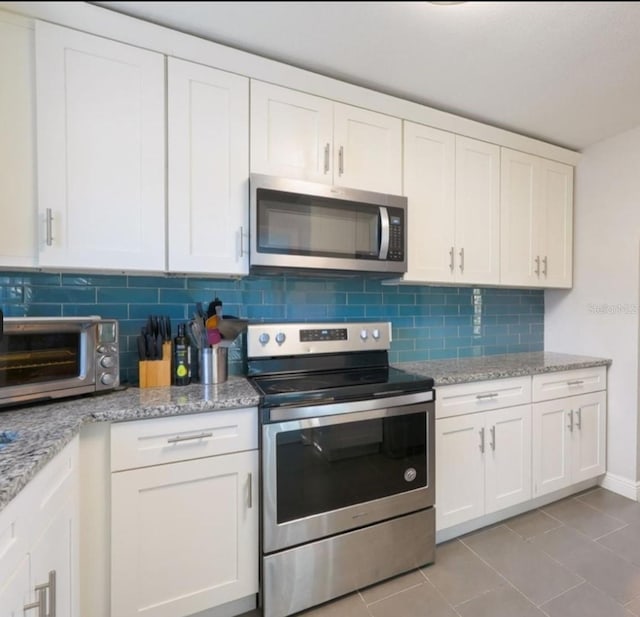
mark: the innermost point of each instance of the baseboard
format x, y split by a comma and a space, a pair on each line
621, 485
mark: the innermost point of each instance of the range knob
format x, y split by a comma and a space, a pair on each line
264, 338
375, 334
108, 362
280, 338
364, 335
108, 379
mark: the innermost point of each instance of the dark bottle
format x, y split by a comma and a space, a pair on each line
181, 358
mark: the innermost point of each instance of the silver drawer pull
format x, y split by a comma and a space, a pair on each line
575, 382
482, 440
481, 397
178, 438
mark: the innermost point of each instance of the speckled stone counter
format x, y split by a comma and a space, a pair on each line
43, 430
483, 368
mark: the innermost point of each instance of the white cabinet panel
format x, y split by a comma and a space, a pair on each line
569, 383
101, 152
16, 591
208, 148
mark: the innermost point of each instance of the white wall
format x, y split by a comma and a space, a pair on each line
599, 316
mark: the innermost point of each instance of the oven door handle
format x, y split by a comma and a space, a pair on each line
384, 233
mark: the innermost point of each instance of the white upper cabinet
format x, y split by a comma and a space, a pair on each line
208, 155
452, 184
101, 152
536, 221
18, 209
298, 135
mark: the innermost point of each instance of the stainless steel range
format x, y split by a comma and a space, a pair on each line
348, 475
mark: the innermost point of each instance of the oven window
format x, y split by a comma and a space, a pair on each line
36, 358
325, 468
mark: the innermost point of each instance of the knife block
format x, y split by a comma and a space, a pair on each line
153, 373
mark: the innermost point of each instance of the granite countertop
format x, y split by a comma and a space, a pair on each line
483, 368
43, 430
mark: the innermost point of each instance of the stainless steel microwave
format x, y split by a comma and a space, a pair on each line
54, 357
303, 225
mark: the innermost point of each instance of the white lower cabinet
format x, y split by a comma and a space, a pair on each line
569, 441
483, 463
39, 543
184, 534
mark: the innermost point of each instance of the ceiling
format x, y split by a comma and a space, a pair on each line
563, 72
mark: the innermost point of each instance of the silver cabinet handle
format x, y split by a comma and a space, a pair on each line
462, 260
493, 437
579, 422
489, 395
537, 270
451, 259
40, 604
544, 265
575, 382
178, 438
250, 482
327, 148
49, 227
570, 425
241, 241
482, 440
341, 160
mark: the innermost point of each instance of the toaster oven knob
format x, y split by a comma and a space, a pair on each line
101, 349
263, 338
108, 362
364, 335
280, 338
375, 334
108, 379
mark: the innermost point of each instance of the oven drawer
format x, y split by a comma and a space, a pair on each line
568, 383
177, 438
459, 399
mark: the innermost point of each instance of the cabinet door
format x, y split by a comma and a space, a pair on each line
551, 443
16, 591
208, 148
520, 258
556, 223
18, 209
477, 211
184, 536
508, 457
588, 436
101, 155
460, 445
367, 151
54, 553
429, 185
291, 133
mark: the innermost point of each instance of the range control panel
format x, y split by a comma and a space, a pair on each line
294, 339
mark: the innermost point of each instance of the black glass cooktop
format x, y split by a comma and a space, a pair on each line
334, 386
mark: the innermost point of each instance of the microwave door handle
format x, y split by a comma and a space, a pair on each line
384, 233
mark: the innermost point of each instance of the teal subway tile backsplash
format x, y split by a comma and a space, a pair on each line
428, 322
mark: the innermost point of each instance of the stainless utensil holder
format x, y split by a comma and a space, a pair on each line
213, 365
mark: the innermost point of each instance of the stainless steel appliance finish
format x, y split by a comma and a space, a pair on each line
44, 358
303, 225
348, 461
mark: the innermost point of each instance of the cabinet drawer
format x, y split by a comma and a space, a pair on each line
568, 383
165, 440
464, 398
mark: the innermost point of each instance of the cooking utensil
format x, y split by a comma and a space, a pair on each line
232, 327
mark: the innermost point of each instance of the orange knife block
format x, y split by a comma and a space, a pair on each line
153, 373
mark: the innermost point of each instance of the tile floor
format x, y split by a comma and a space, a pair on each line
578, 557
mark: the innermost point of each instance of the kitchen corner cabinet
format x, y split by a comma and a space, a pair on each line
452, 184
298, 135
208, 167
18, 245
536, 221
484, 457
39, 542
569, 428
184, 513
101, 152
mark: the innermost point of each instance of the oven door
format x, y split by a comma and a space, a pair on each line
330, 474
41, 358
